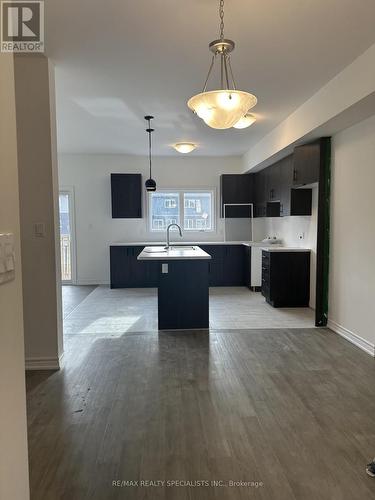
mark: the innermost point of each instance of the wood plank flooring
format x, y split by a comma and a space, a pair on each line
291, 410
107, 311
73, 295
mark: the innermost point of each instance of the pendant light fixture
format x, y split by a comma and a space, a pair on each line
245, 121
150, 183
185, 147
222, 108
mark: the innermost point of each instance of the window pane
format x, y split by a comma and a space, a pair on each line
198, 211
65, 238
164, 210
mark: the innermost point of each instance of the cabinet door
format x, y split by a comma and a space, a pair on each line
236, 188
306, 164
234, 265
138, 268
126, 195
286, 183
216, 264
142, 274
273, 179
120, 266
301, 202
260, 194
260, 187
128, 272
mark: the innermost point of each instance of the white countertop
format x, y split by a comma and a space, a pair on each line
286, 249
177, 243
196, 253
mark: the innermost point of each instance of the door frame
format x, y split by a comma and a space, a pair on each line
69, 190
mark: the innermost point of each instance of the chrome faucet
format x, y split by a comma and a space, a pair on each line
168, 238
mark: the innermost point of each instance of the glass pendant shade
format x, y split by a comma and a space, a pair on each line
185, 147
222, 109
245, 121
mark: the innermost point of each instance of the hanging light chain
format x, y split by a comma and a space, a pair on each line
221, 14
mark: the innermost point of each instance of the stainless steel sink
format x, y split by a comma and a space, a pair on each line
182, 247
155, 250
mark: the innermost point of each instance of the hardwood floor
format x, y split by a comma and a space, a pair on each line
290, 409
109, 311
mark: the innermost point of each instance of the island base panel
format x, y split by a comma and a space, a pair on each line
183, 296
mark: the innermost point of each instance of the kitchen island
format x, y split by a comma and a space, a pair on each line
183, 294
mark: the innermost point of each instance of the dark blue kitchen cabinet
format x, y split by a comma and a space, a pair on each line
274, 192
227, 266
128, 272
183, 298
237, 189
216, 264
234, 265
126, 196
286, 278
307, 160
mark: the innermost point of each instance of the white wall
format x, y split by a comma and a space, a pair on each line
352, 269
37, 159
335, 106
14, 482
89, 175
288, 230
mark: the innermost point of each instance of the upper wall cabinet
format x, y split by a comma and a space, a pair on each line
273, 193
126, 192
272, 189
307, 163
236, 188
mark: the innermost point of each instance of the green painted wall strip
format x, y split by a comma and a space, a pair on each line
323, 236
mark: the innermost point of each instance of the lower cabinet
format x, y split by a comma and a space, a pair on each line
128, 272
286, 278
228, 265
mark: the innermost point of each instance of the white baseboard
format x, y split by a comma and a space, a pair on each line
355, 339
42, 364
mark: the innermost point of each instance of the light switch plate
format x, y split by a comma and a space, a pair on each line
164, 268
39, 230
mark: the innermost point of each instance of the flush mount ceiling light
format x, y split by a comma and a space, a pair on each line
245, 121
222, 108
185, 147
150, 183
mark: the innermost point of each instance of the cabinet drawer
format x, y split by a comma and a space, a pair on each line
265, 260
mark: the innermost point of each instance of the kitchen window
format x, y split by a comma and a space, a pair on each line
192, 210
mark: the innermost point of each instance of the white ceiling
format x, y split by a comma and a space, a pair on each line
117, 60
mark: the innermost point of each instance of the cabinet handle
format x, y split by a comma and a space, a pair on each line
294, 174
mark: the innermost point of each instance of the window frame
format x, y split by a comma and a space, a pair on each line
181, 192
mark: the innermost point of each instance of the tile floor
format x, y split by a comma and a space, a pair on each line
100, 310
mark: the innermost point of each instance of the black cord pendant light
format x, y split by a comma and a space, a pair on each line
150, 183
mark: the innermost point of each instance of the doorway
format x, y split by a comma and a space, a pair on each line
67, 236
